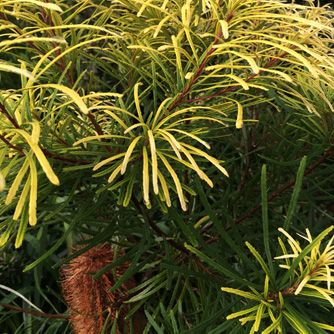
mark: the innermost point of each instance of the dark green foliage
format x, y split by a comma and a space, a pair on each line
180, 93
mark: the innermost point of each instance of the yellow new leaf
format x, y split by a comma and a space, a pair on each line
195, 166
154, 162
172, 141
324, 292
89, 138
176, 181
40, 156
114, 173
36, 130
146, 178
157, 114
203, 219
105, 161
18, 179
245, 294
33, 191
2, 182
241, 313
13, 69
128, 154
77, 99
224, 26
9, 42
191, 136
258, 317
213, 160
23, 197
243, 83
178, 55
47, 5
239, 124
137, 102
45, 165
162, 22
130, 128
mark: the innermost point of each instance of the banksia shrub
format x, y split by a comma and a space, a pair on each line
179, 128
89, 299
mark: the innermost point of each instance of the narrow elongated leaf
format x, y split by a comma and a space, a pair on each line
274, 325
213, 160
17, 181
53, 248
77, 99
128, 153
22, 200
241, 313
137, 102
105, 161
153, 323
2, 182
154, 162
164, 188
176, 181
47, 5
6, 234
261, 261
23, 227
13, 69
295, 194
265, 221
146, 178
158, 112
40, 156
217, 266
241, 293
33, 190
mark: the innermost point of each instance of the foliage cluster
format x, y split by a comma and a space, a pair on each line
186, 134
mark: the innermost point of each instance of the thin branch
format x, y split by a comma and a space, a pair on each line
38, 314
280, 191
10, 118
287, 186
58, 157
173, 243
17, 148
200, 69
98, 130
196, 75
270, 63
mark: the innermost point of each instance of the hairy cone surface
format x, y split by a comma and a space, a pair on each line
89, 298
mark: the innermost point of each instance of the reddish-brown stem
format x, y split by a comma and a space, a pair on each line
58, 157
10, 118
196, 75
45, 19
20, 149
38, 314
270, 63
244, 177
287, 186
289, 290
47, 153
277, 193
173, 243
17, 148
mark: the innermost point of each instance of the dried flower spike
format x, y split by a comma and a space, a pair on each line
89, 299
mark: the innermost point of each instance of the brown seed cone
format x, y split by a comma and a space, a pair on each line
88, 299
